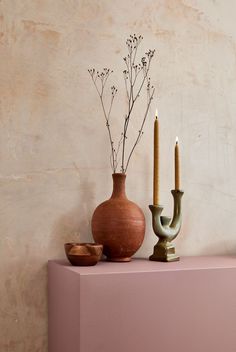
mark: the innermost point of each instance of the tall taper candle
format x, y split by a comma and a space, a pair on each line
156, 162
177, 170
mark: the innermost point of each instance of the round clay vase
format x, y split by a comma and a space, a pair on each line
118, 224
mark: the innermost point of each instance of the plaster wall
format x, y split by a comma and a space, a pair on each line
54, 151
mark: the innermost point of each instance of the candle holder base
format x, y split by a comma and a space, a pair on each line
166, 229
164, 251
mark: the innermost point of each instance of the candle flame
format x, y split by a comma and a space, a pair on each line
156, 114
177, 140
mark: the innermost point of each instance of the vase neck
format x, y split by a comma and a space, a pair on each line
118, 185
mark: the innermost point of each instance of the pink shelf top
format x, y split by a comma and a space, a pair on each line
144, 265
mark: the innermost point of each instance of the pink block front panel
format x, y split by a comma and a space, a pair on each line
143, 306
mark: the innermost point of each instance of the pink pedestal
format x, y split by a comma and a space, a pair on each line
143, 306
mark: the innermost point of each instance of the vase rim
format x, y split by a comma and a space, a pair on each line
119, 174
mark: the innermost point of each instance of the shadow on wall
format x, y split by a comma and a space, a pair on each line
75, 226
23, 298
219, 248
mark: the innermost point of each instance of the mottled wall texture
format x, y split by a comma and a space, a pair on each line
54, 151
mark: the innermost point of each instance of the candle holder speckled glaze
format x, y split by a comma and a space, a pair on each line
166, 229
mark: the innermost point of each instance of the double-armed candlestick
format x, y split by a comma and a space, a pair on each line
165, 228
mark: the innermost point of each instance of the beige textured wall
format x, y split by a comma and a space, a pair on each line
54, 156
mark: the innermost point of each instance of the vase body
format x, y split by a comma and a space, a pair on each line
118, 224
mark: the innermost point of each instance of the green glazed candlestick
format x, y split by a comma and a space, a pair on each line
166, 230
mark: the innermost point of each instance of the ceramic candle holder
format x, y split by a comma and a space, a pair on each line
166, 229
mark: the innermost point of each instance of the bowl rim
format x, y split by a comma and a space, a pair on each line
83, 244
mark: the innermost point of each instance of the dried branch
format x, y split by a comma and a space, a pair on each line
117, 151
131, 74
103, 77
134, 83
150, 94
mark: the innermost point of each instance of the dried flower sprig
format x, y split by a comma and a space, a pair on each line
135, 77
99, 79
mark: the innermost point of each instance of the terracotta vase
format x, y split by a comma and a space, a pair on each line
118, 224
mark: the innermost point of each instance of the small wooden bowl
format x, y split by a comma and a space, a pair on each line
83, 254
